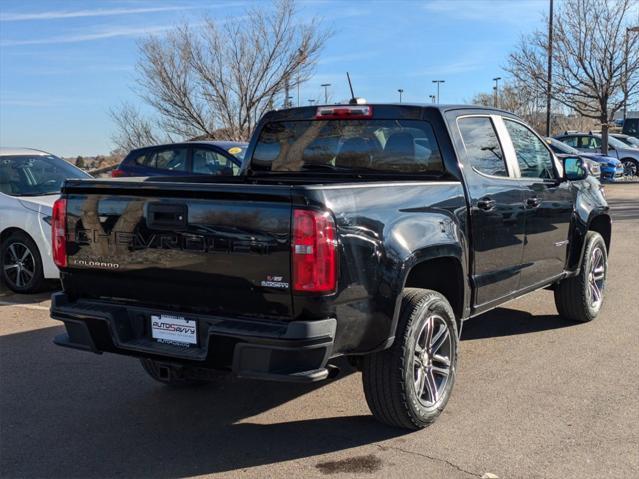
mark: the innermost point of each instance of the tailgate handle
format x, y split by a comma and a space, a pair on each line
164, 216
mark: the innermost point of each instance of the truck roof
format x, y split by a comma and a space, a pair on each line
300, 111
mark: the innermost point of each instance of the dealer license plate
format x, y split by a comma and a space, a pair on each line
173, 329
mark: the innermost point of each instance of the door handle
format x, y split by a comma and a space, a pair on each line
533, 202
486, 204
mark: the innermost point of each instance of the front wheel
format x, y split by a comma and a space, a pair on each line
408, 385
580, 298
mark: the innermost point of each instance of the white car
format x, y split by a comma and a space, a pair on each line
30, 181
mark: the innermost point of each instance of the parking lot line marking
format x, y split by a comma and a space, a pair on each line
25, 306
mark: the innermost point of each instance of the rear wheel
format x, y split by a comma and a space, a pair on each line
580, 298
21, 265
169, 374
408, 385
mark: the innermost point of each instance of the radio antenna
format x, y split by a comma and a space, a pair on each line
350, 85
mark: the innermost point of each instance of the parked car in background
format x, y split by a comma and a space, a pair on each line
30, 181
217, 158
631, 127
591, 143
631, 141
605, 168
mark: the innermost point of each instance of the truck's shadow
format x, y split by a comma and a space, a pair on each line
66, 413
508, 322
71, 414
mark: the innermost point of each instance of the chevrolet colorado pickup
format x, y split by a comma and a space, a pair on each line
365, 231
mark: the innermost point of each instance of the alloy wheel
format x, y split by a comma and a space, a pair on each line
629, 168
19, 265
596, 278
432, 360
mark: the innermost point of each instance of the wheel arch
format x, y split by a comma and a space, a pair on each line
14, 229
443, 270
599, 222
602, 224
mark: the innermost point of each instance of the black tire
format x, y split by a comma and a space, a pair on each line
21, 264
169, 375
390, 377
574, 297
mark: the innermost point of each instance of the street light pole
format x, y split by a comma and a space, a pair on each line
400, 94
549, 78
625, 75
496, 100
438, 83
311, 101
326, 85
432, 98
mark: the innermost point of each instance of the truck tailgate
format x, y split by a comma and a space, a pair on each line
217, 248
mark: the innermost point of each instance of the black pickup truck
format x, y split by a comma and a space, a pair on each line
365, 231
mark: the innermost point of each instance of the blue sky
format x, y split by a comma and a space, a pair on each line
64, 64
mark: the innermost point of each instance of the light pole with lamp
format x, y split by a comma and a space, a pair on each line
432, 98
400, 90
496, 100
439, 82
325, 86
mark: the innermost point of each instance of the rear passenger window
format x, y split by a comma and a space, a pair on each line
173, 159
209, 162
482, 146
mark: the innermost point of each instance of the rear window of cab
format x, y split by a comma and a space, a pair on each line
392, 146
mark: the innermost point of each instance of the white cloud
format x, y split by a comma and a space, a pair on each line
100, 12
86, 37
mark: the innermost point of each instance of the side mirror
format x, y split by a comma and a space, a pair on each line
574, 168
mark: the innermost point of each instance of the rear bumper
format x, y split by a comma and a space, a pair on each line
262, 349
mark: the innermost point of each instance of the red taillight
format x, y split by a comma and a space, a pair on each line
354, 112
314, 251
117, 173
59, 233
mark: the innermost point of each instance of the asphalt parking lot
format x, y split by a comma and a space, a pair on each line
535, 397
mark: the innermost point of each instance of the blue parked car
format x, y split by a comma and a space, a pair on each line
611, 168
184, 159
591, 143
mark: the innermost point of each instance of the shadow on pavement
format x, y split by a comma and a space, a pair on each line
67, 413
50, 287
508, 322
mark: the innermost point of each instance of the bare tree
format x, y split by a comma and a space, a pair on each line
589, 58
132, 129
217, 79
529, 103
522, 99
